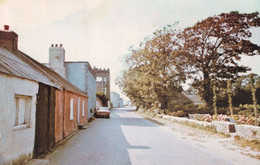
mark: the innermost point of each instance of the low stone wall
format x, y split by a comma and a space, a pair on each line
215, 126
224, 127
248, 132
190, 122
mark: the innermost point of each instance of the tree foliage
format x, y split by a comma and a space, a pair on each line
241, 91
155, 70
213, 46
103, 98
207, 52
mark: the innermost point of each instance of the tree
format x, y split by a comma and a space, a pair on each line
212, 48
229, 92
103, 98
253, 90
155, 69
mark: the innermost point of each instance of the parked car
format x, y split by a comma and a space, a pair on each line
103, 112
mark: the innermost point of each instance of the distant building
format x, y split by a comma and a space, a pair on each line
116, 101
78, 73
195, 99
103, 81
121, 102
82, 76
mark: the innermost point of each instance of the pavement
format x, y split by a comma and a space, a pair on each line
126, 138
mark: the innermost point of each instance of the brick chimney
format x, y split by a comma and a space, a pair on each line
8, 38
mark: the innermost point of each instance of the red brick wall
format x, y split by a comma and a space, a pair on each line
83, 119
64, 126
59, 115
70, 125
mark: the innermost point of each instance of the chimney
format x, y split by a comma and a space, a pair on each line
8, 39
6, 27
57, 59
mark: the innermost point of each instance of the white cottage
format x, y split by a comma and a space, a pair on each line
19, 83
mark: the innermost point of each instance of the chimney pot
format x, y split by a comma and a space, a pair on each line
6, 27
52, 45
60, 45
56, 45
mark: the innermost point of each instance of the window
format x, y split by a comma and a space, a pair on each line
78, 109
105, 80
71, 109
99, 79
83, 109
21, 117
105, 91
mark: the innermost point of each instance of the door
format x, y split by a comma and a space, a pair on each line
45, 120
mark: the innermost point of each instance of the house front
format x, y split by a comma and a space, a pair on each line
82, 76
18, 93
34, 107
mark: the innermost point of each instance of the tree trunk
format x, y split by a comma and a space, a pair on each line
215, 99
207, 93
253, 90
229, 91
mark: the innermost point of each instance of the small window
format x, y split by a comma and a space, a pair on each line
78, 109
105, 91
99, 79
21, 117
105, 80
71, 109
83, 108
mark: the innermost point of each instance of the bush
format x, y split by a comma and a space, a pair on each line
242, 119
247, 109
178, 114
205, 117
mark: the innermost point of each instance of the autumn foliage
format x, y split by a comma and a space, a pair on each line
208, 52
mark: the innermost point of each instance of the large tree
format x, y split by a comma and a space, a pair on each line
213, 47
157, 68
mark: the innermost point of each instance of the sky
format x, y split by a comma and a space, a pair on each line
101, 31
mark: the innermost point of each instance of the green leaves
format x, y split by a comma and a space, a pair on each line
154, 76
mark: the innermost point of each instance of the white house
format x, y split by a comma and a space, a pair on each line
18, 94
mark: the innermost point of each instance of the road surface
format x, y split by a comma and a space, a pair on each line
126, 138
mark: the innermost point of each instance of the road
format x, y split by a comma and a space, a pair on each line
126, 138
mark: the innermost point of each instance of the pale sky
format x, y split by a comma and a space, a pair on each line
101, 31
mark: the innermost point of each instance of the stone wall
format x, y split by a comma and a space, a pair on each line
189, 122
248, 132
224, 127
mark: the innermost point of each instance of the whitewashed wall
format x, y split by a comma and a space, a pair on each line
16, 146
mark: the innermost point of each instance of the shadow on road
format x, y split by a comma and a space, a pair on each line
103, 142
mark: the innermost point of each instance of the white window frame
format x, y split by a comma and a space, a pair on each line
25, 116
105, 91
71, 109
78, 109
83, 108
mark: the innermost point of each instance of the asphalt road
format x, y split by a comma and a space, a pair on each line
126, 138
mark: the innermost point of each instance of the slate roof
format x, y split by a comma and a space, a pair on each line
194, 98
21, 65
